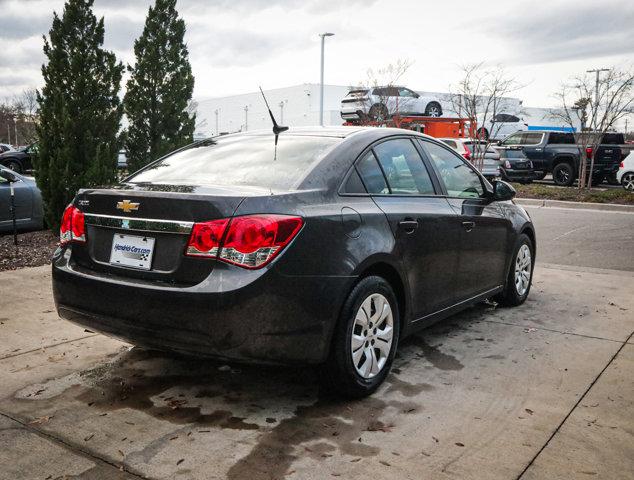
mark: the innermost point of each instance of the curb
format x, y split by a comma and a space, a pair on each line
606, 207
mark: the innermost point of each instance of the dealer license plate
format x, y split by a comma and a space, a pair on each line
132, 251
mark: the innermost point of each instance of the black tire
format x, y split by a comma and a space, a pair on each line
510, 297
13, 165
611, 179
540, 175
433, 109
597, 180
339, 375
378, 112
564, 175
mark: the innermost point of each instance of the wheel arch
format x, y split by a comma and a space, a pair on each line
569, 159
393, 277
12, 159
383, 268
530, 233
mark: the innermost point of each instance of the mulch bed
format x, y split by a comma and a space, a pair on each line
34, 249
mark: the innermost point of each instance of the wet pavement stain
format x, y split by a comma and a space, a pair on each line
435, 356
407, 389
332, 425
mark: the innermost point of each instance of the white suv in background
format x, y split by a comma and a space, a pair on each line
625, 175
500, 126
381, 103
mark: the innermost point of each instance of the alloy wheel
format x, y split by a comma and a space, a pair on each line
523, 266
628, 182
563, 176
433, 111
372, 335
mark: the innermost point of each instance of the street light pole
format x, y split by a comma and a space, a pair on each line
246, 118
321, 83
597, 71
217, 111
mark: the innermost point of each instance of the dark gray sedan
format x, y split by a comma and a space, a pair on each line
28, 202
325, 246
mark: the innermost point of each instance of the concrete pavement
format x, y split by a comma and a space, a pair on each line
541, 391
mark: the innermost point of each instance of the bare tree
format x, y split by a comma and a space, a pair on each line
18, 118
480, 96
192, 109
598, 102
383, 82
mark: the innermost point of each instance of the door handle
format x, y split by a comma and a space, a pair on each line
409, 225
468, 226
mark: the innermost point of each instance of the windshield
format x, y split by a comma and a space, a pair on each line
240, 161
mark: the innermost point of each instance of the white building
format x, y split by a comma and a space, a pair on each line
298, 106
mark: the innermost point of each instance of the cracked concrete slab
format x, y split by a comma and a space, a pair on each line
595, 442
54, 460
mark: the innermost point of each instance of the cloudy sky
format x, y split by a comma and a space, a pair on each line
236, 45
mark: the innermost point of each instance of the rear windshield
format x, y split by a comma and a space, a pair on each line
613, 139
240, 161
561, 138
356, 93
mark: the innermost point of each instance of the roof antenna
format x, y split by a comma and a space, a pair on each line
277, 129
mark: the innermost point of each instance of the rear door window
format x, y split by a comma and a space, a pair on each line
371, 174
561, 138
404, 168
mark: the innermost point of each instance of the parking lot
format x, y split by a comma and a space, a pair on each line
541, 391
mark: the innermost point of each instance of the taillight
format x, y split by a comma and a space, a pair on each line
622, 165
250, 241
467, 153
73, 226
589, 153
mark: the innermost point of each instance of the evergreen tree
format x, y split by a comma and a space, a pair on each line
159, 89
80, 112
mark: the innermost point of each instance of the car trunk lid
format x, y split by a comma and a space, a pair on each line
141, 231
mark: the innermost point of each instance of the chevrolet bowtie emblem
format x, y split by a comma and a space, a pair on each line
127, 206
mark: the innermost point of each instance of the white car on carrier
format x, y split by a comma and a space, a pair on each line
381, 103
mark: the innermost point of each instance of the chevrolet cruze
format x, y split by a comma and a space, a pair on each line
323, 246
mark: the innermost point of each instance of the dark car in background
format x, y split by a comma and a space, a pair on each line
28, 202
559, 154
320, 245
515, 165
20, 161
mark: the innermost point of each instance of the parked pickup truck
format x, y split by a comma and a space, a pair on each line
558, 153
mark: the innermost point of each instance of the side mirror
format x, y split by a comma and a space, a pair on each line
8, 176
502, 191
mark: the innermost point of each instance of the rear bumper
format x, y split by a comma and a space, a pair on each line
519, 175
352, 112
253, 316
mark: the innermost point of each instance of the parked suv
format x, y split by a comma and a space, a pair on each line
559, 154
500, 126
380, 103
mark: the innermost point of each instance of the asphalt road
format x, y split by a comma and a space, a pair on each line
586, 238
